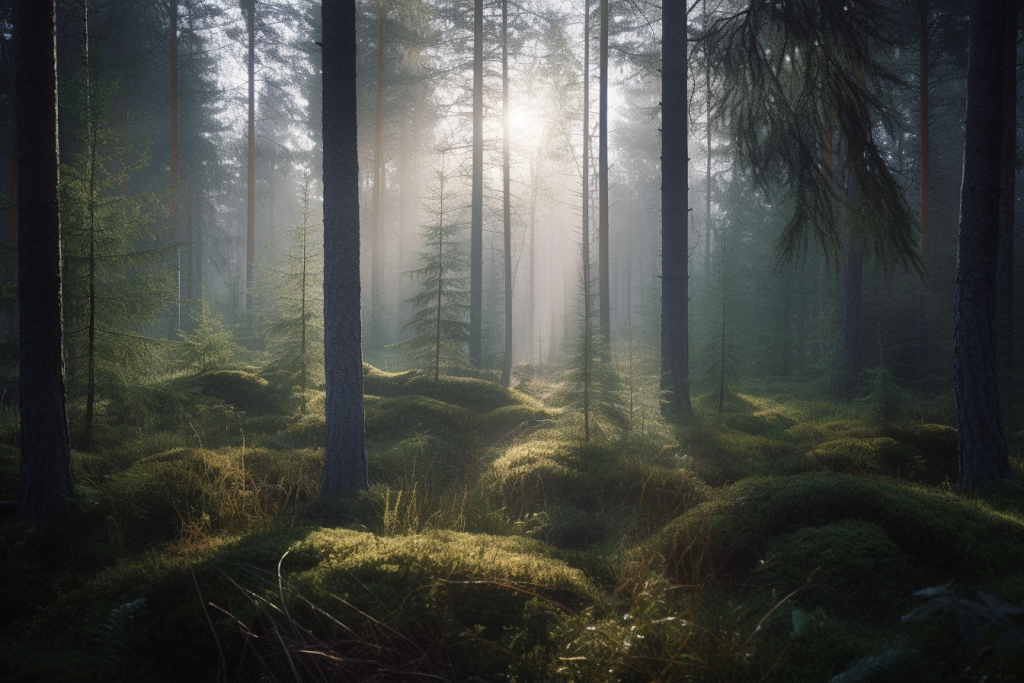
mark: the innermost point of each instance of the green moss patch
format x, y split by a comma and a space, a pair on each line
478, 395
945, 537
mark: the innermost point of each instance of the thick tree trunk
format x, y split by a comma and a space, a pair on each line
46, 494
1008, 183
506, 365
675, 324
344, 445
604, 270
982, 443
476, 232
922, 306
250, 225
378, 181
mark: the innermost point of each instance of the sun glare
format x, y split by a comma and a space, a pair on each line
524, 124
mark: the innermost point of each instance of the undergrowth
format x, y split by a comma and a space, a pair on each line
781, 538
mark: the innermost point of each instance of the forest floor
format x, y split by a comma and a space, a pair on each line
782, 539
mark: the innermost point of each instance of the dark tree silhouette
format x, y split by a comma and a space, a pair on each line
45, 450
506, 175
1004, 288
345, 445
476, 229
603, 269
250, 215
675, 342
982, 443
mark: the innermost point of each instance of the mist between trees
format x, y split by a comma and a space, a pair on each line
545, 246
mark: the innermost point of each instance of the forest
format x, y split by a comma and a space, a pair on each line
522, 341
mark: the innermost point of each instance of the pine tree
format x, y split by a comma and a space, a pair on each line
296, 331
210, 345
438, 323
113, 272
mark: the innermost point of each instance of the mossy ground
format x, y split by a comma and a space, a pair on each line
781, 540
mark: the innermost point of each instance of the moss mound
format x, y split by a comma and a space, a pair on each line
590, 477
245, 390
419, 459
444, 588
192, 491
406, 416
849, 565
943, 536
478, 395
880, 455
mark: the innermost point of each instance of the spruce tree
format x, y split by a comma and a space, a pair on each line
296, 331
438, 323
114, 277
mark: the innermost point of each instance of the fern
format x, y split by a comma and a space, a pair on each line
109, 633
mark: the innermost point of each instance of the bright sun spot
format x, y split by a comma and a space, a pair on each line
524, 124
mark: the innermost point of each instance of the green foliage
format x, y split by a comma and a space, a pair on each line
209, 346
296, 327
115, 279
438, 324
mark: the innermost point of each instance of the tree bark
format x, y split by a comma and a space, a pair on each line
1005, 265
604, 270
506, 365
250, 225
922, 307
585, 241
982, 444
378, 181
476, 232
46, 493
675, 343
176, 315
344, 445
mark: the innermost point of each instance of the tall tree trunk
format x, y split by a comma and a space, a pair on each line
675, 305
604, 270
707, 193
506, 365
46, 493
90, 133
250, 225
853, 297
345, 444
378, 181
1005, 265
176, 314
585, 242
476, 232
982, 443
533, 255
12, 211
922, 307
